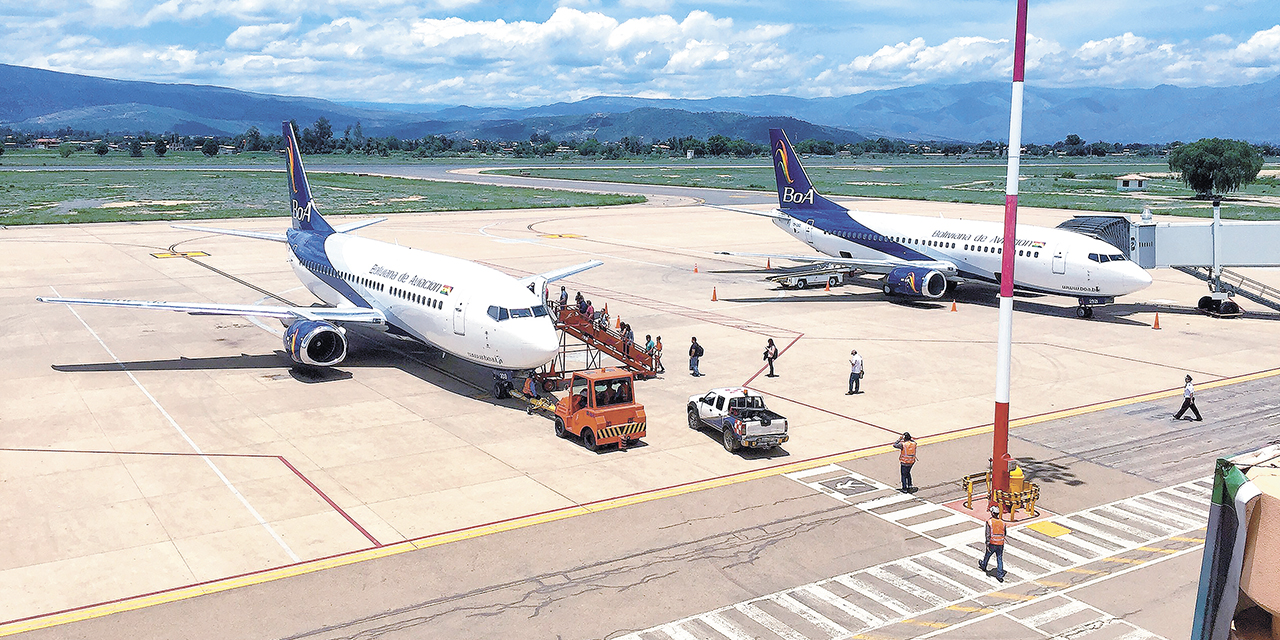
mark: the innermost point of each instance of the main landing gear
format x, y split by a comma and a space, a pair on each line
1084, 312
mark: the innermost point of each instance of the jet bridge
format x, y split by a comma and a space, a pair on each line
1203, 249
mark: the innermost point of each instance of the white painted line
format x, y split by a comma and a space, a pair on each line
724, 627
1140, 634
942, 523
677, 632
935, 577
1086, 545
963, 538
906, 586
1011, 567
1120, 515
797, 475
832, 599
194, 447
1025, 549
1153, 513
1056, 613
769, 622
884, 501
873, 593
959, 567
812, 617
911, 512
1079, 524
1178, 507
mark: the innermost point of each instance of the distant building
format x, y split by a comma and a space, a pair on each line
1131, 182
46, 143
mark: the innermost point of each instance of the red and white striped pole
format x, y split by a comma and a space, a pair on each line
1004, 342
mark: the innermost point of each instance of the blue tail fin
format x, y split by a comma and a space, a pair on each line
305, 216
796, 195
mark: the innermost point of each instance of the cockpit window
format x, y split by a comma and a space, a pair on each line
1117, 258
493, 312
539, 311
521, 313
1094, 257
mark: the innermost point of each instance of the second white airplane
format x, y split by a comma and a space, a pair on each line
466, 309
920, 256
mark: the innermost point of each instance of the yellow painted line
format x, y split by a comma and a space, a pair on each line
1124, 560
183, 593
1052, 583
1090, 572
926, 623
1051, 529
1182, 539
180, 254
1157, 549
956, 607
1011, 596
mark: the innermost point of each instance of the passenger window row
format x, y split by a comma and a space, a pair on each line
368, 283
503, 313
413, 296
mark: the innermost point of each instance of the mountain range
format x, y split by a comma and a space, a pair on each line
41, 100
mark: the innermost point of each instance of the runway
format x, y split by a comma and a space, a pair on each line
164, 454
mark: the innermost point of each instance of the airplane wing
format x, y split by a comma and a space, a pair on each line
331, 314
560, 274
359, 224
259, 235
947, 268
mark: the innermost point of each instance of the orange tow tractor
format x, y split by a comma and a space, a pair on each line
601, 408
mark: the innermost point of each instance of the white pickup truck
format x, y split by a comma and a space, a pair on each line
740, 416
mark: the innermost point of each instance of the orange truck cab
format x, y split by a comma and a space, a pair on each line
601, 408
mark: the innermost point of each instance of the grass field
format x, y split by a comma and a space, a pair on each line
51, 197
1057, 184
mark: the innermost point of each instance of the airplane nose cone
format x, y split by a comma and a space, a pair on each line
532, 349
1137, 278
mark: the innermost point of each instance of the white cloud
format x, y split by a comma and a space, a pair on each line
256, 36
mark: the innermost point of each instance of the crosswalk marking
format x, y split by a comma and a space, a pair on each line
906, 590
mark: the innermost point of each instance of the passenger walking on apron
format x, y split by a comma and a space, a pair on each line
695, 352
906, 458
1188, 401
995, 543
771, 354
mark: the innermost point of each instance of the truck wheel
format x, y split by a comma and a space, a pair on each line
694, 422
560, 430
589, 439
833, 281
1230, 308
730, 442
1204, 303
802, 283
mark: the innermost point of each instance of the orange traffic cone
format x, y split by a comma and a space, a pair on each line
828, 287
768, 264
713, 294
617, 322
1156, 325
953, 305
695, 267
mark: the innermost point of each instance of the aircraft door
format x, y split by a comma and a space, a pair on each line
1059, 263
808, 231
459, 317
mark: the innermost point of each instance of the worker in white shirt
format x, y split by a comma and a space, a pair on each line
855, 373
1188, 401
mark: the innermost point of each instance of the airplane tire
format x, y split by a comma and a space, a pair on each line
1205, 303
694, 422
589, 439
1230, 308
500, 390
888, 291
1083, 311
1088, 312
561, 432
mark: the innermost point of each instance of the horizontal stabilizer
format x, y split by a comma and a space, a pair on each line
331, 314
359, 224
258, 235
870, 266
774, 214
560, 274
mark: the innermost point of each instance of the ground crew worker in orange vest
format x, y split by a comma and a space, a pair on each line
906, 458
995, 543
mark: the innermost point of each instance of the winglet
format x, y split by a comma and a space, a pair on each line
795, 192
303, 209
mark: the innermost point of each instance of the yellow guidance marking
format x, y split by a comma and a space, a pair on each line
1124, 560
1157, 549
1053, 583
559, 235
1182, 539
956, 607
1051, 529
180, 254
1088, 572
925, 623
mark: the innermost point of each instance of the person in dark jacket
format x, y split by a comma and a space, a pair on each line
771, 354
695, 352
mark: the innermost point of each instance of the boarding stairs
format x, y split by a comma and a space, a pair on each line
1237, 284
603, 340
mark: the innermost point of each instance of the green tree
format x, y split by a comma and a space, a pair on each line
717, 145
161, 148
590, 147
1214, 164
1073, 140
210, 147
135, 148
66, 149
101, 148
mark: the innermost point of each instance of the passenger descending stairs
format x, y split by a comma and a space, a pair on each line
1238, 284
608, 342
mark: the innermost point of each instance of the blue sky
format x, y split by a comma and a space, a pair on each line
528, 53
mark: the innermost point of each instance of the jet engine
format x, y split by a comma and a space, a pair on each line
319, 344
915, 281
